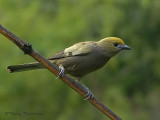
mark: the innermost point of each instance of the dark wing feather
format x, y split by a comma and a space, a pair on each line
58, 55
61, 54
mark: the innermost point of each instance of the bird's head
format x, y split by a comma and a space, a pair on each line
112, 45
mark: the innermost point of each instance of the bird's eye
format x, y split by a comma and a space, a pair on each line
115, 44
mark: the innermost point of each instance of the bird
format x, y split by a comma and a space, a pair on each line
81, 58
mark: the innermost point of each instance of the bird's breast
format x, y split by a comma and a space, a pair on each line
79, 66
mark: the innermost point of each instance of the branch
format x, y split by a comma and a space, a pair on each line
27, 49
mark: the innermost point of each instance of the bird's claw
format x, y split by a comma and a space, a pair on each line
89, 94
61, 73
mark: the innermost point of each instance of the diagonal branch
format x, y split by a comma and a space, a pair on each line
27, 49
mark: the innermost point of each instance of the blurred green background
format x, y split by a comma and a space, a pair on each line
129, 84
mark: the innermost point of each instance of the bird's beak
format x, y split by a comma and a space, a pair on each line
124, 47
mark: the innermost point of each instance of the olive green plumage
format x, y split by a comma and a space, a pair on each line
81, 58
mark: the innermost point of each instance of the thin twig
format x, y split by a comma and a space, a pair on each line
27, 49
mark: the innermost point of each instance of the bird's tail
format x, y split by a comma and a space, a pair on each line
24, 67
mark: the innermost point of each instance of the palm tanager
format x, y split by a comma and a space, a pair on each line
81, 58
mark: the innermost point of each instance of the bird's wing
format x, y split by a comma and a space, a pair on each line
79, 49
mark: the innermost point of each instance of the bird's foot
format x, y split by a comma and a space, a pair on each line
89, 94
61, 73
